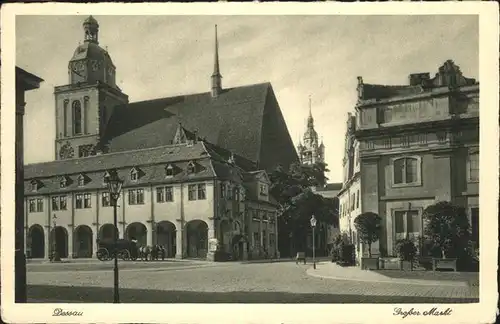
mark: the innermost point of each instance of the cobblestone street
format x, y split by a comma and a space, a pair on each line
225, 282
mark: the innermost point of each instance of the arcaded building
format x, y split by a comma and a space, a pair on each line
194, 166
418, 144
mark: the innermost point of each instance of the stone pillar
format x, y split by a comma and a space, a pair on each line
180, 248
95, 235
70, 241
48, 242
149, 233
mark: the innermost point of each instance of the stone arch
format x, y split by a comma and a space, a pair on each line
82, 245
59, 240
107, 232
166, 236
137, 231
36, 242
197, 239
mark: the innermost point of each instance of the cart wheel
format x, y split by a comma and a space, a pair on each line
103, 254
125, 255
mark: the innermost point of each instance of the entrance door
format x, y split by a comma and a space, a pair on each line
407, 224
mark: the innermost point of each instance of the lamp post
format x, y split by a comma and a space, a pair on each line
114, 184
313, 225
55, 253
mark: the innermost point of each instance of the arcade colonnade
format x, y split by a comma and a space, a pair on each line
191, 241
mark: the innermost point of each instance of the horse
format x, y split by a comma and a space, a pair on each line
144, 252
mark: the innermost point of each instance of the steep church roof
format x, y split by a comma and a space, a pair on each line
245, 120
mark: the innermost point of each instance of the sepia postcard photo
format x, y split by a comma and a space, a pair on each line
248, 163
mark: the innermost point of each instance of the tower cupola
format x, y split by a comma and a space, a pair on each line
91, 30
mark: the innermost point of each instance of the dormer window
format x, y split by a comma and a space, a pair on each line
191, 168
263, 190
34, 185
134, 174
63, 183
169, 171
81, 180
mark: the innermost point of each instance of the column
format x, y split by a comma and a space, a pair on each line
48, 242
180, 247
95, 235
70, 241
149, 234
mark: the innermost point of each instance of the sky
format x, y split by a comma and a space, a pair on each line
302, 56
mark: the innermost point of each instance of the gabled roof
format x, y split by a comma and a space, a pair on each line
245, 120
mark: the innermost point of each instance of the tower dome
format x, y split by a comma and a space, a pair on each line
90, 62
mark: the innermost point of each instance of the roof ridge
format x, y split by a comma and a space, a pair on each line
114, 153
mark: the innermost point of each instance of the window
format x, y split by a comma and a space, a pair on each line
192, 192
263, 190
191, 168
79, 201
134, 175
86, 201
229, 192
106, 199
223, 190
85, 150
353, 201
32, 203
406, 171
407, 222
164, 194
169, 171
237, 194
473, 167
340, 210
58, 203
357, 200
39, 205
77, 117
160, 194
136, 197
81, 181
256, 240
202, 191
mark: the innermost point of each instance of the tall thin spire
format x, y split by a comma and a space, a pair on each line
216, 76
310, 120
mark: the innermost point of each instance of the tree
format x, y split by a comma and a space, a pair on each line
447, 226
369, 229
297, 202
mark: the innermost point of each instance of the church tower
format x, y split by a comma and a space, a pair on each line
311, 151
85, 104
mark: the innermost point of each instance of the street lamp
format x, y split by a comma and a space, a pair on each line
313, 225
114, 184
55, 253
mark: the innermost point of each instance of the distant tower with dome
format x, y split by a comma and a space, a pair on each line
310, 149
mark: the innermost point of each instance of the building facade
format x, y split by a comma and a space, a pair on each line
418, 144
195, 166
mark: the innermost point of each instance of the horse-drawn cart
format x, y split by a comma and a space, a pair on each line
125, 249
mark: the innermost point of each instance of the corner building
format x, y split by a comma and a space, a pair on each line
194, 166
418, 144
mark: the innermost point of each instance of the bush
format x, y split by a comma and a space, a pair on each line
406, 249
447, 227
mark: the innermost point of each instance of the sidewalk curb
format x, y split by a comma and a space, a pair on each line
416, 282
